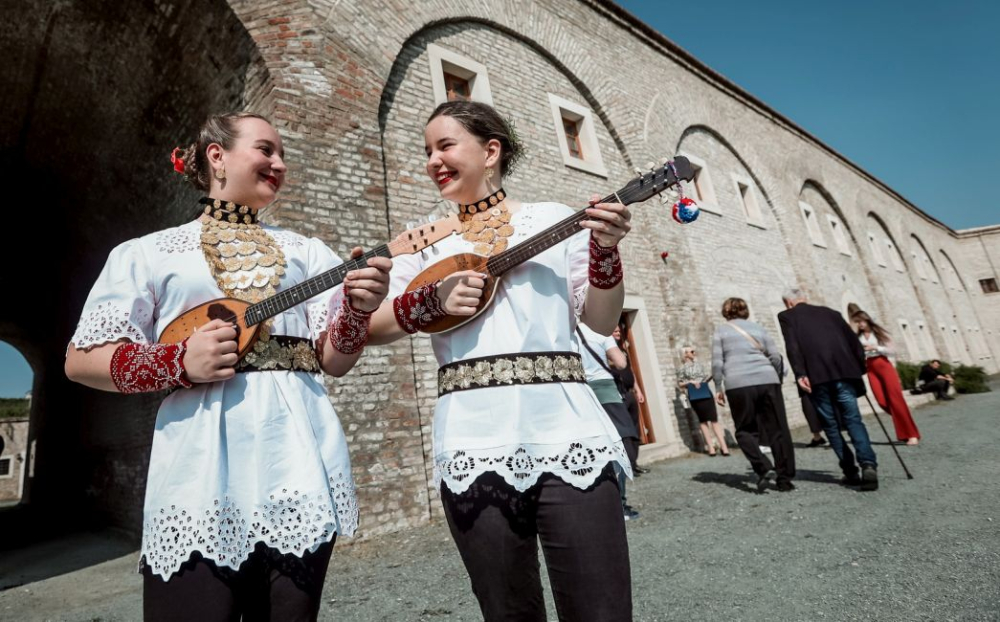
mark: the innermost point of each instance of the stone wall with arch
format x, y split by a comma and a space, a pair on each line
99, 93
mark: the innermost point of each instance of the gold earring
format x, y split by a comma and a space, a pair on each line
220, 174
489, 174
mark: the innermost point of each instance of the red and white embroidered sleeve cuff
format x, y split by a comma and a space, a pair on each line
605, 265
416, 309
350, 328
149, 367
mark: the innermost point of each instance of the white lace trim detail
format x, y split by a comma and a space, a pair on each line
290, 522
578, 463
286, 238
109, 323
579, 298
179, 240
318, 315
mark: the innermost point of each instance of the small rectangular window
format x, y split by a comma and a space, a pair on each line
838, 236
876, 251
577, 135
748, 201
457, 88
457, 78
812, 225
701, 186
4, 467
989, 286
894, 256
572, 129
698, 182
915, 256
911, 344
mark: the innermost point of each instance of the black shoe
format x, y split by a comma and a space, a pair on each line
946, 398
816, 442
850, 480
629, 513
786, 487
765, 479
869, 477
638, 470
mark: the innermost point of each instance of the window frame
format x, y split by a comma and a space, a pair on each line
443, 60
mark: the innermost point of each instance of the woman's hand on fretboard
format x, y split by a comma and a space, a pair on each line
608, 223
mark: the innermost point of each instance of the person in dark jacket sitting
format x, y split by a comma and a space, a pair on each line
933, 381
829, 362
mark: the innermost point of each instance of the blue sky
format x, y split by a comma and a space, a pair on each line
15, 379
909, 90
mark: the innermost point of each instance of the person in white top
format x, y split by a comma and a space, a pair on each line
522, 447
600, 354
249, 478
882, 376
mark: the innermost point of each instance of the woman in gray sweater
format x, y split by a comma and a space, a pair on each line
746, 367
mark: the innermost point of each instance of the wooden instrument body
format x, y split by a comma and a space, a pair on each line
445, 268
226, 309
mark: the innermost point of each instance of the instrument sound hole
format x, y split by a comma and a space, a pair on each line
219, 311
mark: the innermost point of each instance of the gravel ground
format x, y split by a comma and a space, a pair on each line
707, 547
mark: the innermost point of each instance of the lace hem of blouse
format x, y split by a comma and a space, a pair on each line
578, 463
290, 522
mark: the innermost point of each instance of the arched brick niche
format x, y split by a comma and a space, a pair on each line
97, 95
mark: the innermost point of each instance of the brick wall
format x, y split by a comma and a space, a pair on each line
348, 85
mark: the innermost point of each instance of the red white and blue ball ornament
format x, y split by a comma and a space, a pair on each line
686, 210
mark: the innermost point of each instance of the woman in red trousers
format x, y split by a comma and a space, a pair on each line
883, 377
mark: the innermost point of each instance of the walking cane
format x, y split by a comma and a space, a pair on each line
891, 444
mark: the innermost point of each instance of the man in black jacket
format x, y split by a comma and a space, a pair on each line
828, 361
933, 381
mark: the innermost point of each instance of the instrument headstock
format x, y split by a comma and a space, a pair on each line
656, 180
418, 238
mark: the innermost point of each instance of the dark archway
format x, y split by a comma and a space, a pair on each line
97, 94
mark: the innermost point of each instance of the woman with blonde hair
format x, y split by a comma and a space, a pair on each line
693, 379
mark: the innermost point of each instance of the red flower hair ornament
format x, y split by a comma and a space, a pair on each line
177, 160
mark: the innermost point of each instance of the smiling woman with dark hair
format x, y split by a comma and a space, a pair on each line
522, 447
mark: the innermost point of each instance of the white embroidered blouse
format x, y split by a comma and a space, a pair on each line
258, 458
520, 431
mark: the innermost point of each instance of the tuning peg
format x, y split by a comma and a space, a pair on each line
651, 166
638, 172
664, 161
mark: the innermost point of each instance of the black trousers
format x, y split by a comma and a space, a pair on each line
761, 407
632, 451
582, 533
268, 586
938, 387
